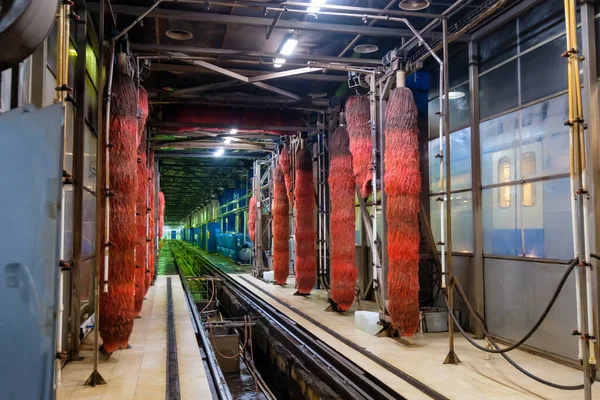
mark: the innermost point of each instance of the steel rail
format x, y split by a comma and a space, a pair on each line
344, 373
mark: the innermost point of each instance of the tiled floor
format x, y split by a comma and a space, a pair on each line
474, 378
139, 373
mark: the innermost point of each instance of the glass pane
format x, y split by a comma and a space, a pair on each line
542, 70
462, 221
498, 90
88, 240
459, 54
91, 103
89, 159
86, 274
500, 139
460, 161
498, 46
501, 226
547, 223
544, 134
543, 21
460, 117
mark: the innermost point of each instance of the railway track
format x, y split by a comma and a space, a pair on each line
346, 378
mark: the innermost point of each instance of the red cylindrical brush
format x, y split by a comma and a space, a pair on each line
142, 113
117, 305
161, 213
304, 193
284, 161
358, 114
140, 212
151, 222
342, 217
281, 228
402, 186
252, 219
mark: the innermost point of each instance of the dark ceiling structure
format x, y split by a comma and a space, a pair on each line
218, 66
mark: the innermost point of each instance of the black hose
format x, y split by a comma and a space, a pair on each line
507, 358
595, 256
535, 327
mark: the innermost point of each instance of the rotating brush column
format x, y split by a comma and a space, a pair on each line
140, 212
285, 162
281, 228
402, 187
342, 217
161, 213
252, 219
306, 261
117, 305
358, 114
151, 221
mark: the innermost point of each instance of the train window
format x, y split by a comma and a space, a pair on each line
504, 176
528, 170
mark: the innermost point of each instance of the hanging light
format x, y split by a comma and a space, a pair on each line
414, 5
219, 152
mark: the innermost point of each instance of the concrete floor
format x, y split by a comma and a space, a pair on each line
474, 378
140, 373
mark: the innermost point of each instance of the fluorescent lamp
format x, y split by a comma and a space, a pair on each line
233, 131
278, 62
219, 152
227, 140
315, 6
289, 47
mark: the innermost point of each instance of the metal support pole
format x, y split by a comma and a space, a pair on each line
451, 358
478, 282
590, 91
78, 178
379, 169
95, 378
258, 247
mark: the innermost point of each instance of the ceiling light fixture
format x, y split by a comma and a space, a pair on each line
289, 47
278, 62
179, 34
227, 140
315, 6
366, 48
219, 152
453, 95
414, 5
233, 131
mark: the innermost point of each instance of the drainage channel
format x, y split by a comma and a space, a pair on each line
172, 361
295, 363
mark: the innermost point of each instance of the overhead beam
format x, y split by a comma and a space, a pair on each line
161, 154
204, 51
188, 69
214, 145
260, 22
239, 77
241, 127
258, 78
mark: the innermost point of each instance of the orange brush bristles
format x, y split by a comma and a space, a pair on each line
306, 261
281, 228
252, 218
161, 213
284, 161
343, 214
402, 186
117, 305
140, 212
358, 115
151, 223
